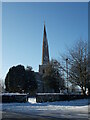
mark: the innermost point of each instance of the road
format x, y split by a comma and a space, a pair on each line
16, 116
7, 115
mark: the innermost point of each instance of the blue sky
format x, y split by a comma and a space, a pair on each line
22, 30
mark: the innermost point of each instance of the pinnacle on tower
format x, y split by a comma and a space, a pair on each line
45, 51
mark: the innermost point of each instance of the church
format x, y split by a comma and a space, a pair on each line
45, 61
45, 53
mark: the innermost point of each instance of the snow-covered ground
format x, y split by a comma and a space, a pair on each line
62, 109
10, 94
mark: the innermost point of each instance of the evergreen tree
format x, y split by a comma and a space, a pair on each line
20, 80
15, 79
31, 84
52, 76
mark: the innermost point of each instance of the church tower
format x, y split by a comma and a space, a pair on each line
45, 53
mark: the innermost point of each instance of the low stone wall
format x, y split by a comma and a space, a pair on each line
8, 98
51, 97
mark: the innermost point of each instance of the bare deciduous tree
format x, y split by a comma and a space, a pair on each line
78, 65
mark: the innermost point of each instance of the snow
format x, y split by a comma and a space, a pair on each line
62, 109
32, 100
9, 94
49, 93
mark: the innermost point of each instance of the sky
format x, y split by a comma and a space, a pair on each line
23, 25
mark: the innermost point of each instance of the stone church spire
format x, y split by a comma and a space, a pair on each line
45, 51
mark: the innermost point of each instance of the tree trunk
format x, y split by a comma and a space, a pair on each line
83, 91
